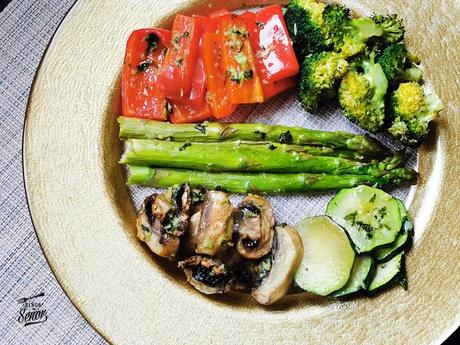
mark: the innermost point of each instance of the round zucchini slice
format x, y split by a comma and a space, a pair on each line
388, 273
370, 216
363, 269
328, 256
402, 240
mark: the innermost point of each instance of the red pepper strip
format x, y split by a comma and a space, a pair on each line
196, 97
176, 73
216, 95
243, 82
183, 113
275, 88
275, 57
141, 96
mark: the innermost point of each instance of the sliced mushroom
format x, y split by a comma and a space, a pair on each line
286, 256
163, 219
251, 273
191, 240
207, 275
216, 223
255, 222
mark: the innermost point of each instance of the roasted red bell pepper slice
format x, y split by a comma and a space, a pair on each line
141, 96
216, 94
176, 73
276, 87
243, 82
183, 113
196, 96
274, 55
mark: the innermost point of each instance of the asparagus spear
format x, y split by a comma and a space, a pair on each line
263, 182
247, 157
214, 131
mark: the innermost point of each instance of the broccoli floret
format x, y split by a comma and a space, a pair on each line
354, 35
318, 78
393, 29
305, 23
362, 94
396, 65
411, 112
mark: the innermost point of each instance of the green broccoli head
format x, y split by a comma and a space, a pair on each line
396, 65
411, 112
318, 78
362, 94
305, 23
393, 29
355, 34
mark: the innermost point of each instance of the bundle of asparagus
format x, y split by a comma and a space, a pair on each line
251, 157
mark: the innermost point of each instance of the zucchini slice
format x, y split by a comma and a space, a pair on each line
328, 256
363, 269
369, 215
402, 240
388, 273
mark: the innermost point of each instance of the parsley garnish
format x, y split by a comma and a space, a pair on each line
285, 138
201, 127
271, 147
183, 147
260, 25
373, 198
263, 135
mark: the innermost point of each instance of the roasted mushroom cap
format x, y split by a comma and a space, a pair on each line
216, 223
255, 222
286, 257
207, 275
162, 219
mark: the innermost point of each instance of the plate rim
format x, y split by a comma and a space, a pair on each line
448, 331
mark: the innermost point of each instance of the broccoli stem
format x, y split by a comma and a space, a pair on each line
216, 132
247, 157
263, 182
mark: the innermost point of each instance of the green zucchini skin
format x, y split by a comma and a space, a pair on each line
370, 216
360, 277
403, 240
396, 275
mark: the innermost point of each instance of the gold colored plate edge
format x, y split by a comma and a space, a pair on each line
56, 274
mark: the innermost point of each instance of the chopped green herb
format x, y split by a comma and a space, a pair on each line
263, 135
142, 67
271, 147
260, 25
285, 138
365, 227
152, 43
201, 127
373, 198
168, 107
183, 147
351, 217
241, 58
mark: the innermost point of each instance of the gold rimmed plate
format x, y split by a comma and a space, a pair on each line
84, 214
